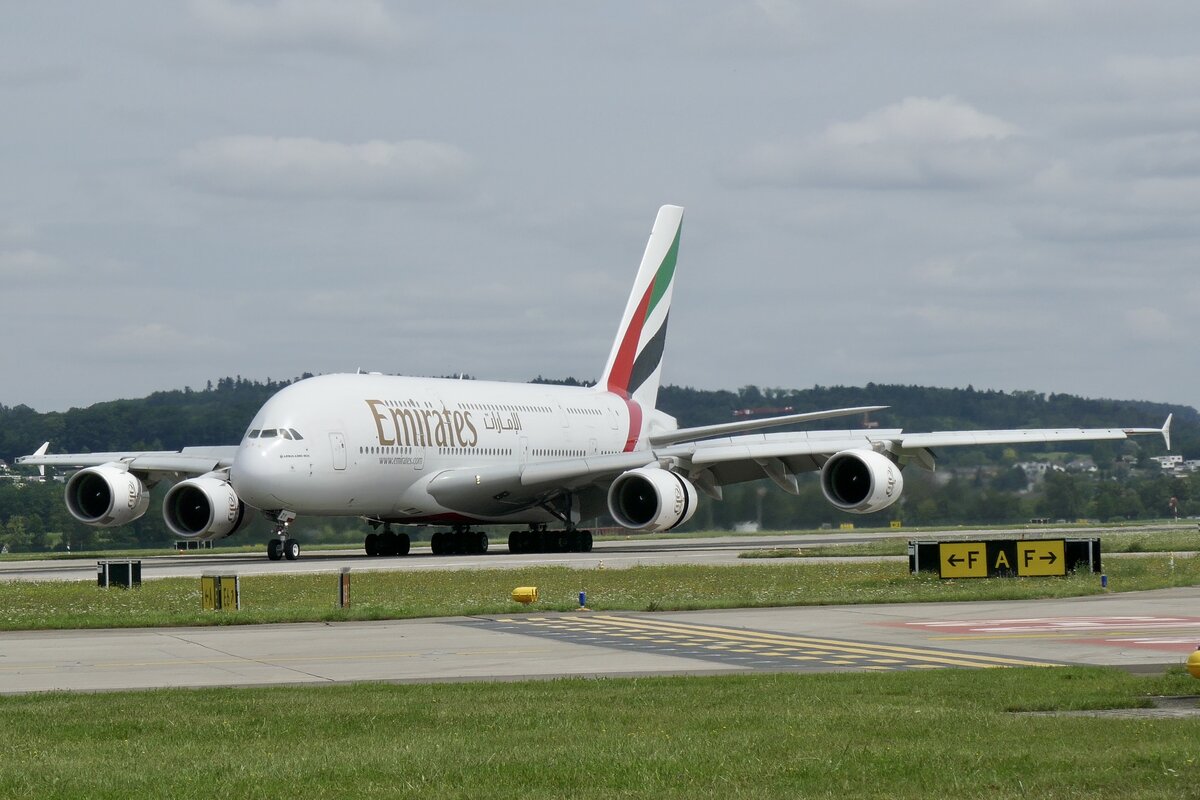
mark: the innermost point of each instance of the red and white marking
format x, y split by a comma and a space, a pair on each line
1159, 633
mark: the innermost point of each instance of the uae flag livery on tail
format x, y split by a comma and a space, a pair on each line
634, 366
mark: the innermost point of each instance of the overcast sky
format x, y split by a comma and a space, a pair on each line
1004, 194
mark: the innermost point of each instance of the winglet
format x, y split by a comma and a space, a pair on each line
1166, 431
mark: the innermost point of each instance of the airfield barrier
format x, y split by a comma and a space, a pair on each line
125, 573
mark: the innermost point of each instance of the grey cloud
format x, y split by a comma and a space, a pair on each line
345, 26
28, 265
917, 143
265, 166
1156, 75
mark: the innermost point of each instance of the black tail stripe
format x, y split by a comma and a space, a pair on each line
648, 360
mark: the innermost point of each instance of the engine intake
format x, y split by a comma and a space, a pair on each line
106, 496
861, 481
651, 499
204, 508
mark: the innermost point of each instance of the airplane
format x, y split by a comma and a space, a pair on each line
465, 454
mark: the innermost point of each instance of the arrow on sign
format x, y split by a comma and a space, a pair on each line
1049, 557
954, 561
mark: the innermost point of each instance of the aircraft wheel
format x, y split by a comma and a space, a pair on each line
514, 542
387, 544
371, 545
274, 549
291, 549
403, 544
481, 543
585, 541
435, 543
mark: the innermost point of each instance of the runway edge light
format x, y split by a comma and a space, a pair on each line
1193, 663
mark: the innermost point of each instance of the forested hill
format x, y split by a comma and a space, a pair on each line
220, 413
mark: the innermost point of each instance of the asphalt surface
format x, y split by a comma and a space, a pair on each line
628, 552
1138, 631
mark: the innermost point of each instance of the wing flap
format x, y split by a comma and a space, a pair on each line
978, 438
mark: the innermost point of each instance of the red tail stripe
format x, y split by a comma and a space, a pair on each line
618, 379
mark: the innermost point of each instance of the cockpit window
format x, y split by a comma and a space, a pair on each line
253, 434
295, 434
285, 433
269, 433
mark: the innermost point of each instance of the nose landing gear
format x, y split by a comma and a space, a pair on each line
283, 546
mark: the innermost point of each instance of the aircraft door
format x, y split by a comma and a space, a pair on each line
337, 442
524, 450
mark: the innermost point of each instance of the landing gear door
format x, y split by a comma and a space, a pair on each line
337, 443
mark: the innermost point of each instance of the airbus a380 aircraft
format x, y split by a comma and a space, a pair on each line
463, 454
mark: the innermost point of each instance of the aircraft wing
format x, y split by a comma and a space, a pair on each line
188, 461
712, 463
780, 456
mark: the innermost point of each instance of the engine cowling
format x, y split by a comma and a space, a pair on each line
861, 481
106, 496
203, 508
651, 499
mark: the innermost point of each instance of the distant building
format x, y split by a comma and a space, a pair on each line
1168, 462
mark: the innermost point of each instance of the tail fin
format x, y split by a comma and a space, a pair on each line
635, 363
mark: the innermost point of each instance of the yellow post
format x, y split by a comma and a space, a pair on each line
1193, 663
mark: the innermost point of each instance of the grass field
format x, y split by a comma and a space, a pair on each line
397, 595
945, 733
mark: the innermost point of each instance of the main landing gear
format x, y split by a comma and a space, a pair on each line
387, 543
544, 541
283, 546
461, 541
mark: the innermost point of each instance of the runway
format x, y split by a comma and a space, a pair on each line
1138, 631
614, 554
627, 552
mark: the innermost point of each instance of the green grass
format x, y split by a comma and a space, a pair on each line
397, 595
949, 733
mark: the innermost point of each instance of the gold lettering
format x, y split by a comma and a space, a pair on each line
384, 441
408, 429
474, 433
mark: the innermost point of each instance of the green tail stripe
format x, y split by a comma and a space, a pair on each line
666, 271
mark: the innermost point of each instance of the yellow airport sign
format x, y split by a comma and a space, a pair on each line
963, 559
1041, 557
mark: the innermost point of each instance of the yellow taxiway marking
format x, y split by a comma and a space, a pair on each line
811, 644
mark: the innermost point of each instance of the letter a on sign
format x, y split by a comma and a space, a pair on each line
1001, 561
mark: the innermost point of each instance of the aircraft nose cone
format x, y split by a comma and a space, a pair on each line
253, 478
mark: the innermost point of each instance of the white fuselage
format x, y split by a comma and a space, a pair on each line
367, 445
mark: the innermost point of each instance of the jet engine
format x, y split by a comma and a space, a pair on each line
861, 481
106, 496
651, 499
203, 508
